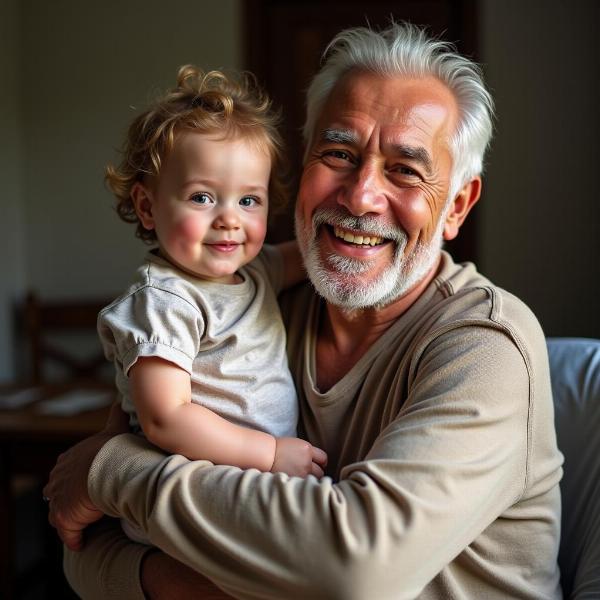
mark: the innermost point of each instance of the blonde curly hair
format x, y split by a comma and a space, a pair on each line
204, 102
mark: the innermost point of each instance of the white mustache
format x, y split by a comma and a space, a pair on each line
369, 225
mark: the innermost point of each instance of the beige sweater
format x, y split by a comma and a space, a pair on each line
443, 475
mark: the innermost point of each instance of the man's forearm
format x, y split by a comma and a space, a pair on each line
164, 577
112, 566
108, 565
400, 515
247, 530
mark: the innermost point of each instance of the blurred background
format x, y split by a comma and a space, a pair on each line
74, 73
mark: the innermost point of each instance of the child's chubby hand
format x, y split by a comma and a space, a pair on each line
298, 457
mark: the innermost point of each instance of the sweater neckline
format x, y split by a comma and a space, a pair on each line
348, 380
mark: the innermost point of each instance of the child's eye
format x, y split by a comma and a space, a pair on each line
248, 201
201, 198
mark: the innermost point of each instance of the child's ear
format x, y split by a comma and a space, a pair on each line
142, 201
461, 205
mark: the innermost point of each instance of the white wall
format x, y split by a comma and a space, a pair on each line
12, 264
540, 217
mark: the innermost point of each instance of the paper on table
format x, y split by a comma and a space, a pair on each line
19, 398
74, 402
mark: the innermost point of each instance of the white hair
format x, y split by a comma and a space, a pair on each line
406, 50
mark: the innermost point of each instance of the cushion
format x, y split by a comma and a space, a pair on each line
575, 372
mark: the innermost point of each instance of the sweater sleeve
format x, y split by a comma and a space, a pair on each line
108, 566
453, 460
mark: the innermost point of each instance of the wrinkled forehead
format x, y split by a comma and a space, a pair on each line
362, 100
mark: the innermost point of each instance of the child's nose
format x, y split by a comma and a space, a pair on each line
227, 219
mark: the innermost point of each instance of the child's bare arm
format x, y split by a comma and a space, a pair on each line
161, 392
293, 266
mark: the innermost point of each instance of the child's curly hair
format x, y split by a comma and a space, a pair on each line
206, 102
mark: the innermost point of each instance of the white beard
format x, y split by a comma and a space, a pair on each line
337, 278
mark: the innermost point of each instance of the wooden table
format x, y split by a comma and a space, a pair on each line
30, 442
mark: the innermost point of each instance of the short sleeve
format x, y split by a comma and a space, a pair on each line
151, 322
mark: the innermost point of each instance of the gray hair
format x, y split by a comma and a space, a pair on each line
406, 50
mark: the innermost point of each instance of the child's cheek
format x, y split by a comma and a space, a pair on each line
257, 228
190, 229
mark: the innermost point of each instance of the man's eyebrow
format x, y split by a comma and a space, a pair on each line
339, 136
416, 153
348, 136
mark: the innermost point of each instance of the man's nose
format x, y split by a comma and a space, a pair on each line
365, 192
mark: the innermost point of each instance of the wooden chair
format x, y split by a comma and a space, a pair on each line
43, 320
30, 439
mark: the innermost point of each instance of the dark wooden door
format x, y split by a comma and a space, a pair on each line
284, 41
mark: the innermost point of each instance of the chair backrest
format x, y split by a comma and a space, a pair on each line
575, 372
47, 323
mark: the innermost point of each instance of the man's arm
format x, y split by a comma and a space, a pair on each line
107, 551
70, 509
164, 577
434, 480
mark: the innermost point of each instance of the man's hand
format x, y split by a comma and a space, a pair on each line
297, 457
70, 507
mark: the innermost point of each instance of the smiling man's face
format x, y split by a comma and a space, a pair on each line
370, 211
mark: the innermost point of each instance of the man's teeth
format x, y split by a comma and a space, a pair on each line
363, 240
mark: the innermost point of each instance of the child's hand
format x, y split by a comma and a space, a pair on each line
297, 457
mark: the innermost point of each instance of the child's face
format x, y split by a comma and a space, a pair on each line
209, 206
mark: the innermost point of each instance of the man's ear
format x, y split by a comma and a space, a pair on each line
461, 205
142, 201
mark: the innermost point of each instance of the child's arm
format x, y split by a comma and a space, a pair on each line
161, 392
293, 266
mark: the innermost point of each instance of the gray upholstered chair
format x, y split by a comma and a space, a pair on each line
575, 371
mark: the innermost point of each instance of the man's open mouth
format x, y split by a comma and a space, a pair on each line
359, 239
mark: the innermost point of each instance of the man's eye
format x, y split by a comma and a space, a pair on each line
248, 201
337, 158
341, 154
405, 171
201, 198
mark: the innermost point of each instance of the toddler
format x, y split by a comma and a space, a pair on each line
197, 339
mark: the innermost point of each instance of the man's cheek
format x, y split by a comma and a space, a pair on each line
316, 184
415, 214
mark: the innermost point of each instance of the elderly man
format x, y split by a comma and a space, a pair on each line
427, 385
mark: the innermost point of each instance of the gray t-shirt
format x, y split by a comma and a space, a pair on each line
229, 338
